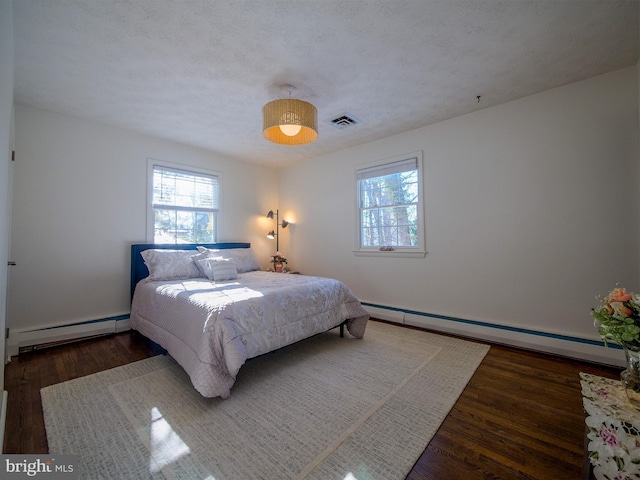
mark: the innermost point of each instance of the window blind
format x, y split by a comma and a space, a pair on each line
179, 189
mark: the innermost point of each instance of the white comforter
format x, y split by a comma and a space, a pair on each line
212, 329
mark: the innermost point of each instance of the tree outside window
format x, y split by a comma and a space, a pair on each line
185, 206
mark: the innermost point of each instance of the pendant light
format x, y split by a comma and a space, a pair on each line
289, 121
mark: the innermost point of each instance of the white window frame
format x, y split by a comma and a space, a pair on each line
419, 250
151, 163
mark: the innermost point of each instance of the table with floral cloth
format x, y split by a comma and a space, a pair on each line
613, 429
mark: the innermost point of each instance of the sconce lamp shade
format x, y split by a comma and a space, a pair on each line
271, 235
289, 122
284, 224
270, 214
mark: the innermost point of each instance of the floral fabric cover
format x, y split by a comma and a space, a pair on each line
211, 328
614, 429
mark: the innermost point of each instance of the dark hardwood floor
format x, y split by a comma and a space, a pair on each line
520, 416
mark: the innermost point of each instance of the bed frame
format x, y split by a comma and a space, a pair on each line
139, 270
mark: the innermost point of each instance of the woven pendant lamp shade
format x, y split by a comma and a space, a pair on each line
289, 111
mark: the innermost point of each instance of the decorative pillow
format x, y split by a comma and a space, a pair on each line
170, 264
204, 253
244, 257
219, 269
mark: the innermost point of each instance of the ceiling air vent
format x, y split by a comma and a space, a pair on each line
343, 121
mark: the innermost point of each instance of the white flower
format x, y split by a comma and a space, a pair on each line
608, 470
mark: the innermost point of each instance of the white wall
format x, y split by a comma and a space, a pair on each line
6, 108
79, 202
531, 211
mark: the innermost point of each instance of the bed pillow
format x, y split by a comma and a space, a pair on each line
170, 264
244, 257
219, 269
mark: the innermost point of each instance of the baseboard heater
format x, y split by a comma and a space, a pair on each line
26, 340
555, 343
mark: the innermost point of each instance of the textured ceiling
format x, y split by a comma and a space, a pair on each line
199, 72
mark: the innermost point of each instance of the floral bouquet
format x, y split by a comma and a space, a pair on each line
618, 318
278, 259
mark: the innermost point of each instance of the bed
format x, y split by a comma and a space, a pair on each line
212, 308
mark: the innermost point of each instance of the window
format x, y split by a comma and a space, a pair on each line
390, 206
185, 205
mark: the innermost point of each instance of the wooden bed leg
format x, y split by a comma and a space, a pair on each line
342, 329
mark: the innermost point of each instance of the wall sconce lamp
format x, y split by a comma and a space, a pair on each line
274, 234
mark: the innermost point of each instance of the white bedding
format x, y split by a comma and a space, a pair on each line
212, 329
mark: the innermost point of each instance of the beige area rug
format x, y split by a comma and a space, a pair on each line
324, 408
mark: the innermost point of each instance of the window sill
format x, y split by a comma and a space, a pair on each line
391, 253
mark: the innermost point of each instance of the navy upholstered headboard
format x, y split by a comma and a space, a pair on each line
139, 269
